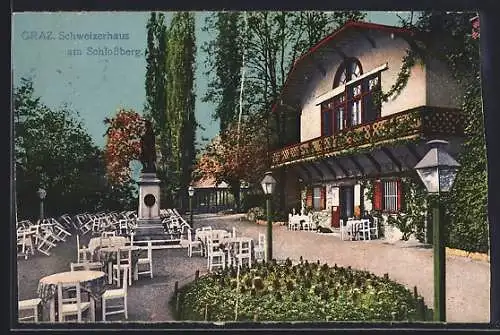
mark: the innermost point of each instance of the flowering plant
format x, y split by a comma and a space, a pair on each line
123, 144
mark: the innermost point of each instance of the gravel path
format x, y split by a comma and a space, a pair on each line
468, 281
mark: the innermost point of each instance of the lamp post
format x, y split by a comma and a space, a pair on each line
268, 185
41, 194
191, 193
438, 171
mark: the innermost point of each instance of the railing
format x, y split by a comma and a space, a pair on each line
422, 122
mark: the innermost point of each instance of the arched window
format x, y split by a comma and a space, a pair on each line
355, 104
350, 69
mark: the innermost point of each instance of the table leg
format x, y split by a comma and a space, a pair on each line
52, 309
92, 309
110, 273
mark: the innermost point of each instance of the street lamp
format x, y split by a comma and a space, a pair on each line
191, 193
41, 194
438, 171
268, 185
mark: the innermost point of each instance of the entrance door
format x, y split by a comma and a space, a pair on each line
346, 201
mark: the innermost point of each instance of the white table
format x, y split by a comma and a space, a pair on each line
113, 241
90, 281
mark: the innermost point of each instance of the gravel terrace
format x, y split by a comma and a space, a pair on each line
467, 283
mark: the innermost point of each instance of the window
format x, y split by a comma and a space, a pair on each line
355, 104
316, 198
387, 195
390, 202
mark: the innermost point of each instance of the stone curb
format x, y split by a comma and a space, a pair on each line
473, 255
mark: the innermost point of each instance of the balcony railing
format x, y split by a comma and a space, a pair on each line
420, 122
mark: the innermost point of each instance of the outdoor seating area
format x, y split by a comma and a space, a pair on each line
223, 248
300, 221
99, 272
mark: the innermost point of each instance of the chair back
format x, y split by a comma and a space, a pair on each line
108, 234
65, 300
262, 239
124, 256
234, 231
189, 235
244, 247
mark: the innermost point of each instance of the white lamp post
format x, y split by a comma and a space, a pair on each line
41, 194
191, 194
438, 170
268, 185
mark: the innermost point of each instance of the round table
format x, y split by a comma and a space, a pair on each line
90, 281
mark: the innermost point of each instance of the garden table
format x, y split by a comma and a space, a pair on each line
91, 282
108, 255
99, 242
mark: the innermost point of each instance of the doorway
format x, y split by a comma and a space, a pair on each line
346, 199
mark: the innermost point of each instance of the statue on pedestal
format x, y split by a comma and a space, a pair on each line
148, 150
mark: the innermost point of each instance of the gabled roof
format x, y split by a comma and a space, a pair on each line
349, 26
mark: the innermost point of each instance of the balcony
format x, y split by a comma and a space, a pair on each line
419, 123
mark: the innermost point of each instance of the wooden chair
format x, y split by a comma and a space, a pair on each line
123, 263
29, 305
94, 266
83, 253
71, 306
194, 247
216, 258
146, 261
260, 249
113, 294
108, 234
244, 254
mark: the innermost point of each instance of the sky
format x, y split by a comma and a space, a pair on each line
69, 71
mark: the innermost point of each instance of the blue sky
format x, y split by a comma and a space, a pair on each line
94, 85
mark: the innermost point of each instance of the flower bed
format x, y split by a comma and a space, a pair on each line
301, 292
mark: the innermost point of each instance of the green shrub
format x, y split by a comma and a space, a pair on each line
303, 292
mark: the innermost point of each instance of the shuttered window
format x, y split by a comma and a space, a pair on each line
390, 201
316, 198
387, 195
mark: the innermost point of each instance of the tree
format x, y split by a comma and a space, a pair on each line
180, 96
155, 107
53, 151
224, 63
231, 160
123, 144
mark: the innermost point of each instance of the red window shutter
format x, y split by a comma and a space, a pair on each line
399, 189
377, 195
309, 197
322, 199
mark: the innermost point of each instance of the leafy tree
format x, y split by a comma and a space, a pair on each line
53, 151
180, 96
155, 108
123, 144
234, 160
224, 64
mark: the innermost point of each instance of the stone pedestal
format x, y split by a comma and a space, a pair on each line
149, 224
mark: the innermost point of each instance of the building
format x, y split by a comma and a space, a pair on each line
345, 136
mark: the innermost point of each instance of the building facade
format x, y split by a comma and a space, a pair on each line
346, 135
